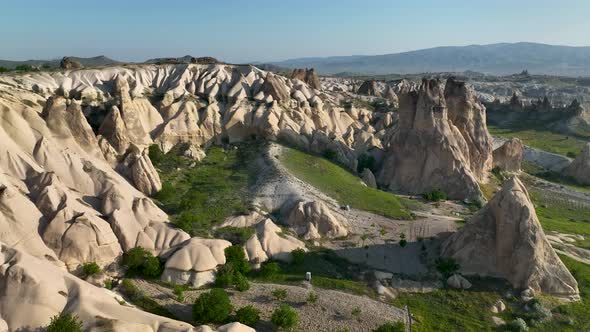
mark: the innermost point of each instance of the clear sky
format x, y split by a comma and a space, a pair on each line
263, 30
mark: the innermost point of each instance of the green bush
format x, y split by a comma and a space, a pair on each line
270, 269
402, 240
156, 154
141, 262
241, 283
434, 196
284, 317
248, 315
236, 256
298, 256
280, 294
391, 327
212, 307
312, 298
89, 269
64, 323
135, 296
447, 266
365, 161
329, 154
225, 275
25, 68
178, 290
517, 325
4, 70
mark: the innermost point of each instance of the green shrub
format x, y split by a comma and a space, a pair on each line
241, 283
571, 154
402, 240
365, 161
225, 275
108, 284
329, 154
25, 68
4, 70
280, 294
312, 298
517, 325
248, 315
298, 256
64, 323
391, 327
270, 269
356, 312
141, 262
499, 173
235, 235
537, 313
178, 290
435, 196
89, 269
212, 307
236, 256
447, 266
156, 154
284, 317
135, 296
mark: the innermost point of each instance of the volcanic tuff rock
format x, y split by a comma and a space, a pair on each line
428, 151
509, 156
369, 88
579, 169
69, 63
505, 240
308, 76
368, 178
313, 220
138, 167
33, 290
195, 262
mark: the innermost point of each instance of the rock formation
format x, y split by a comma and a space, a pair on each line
505, 240
33, 290
369, 88
428, 152
313, 220
509, 156
138, 167
308, 76
69, 63
368, 178
579, 169
195, 263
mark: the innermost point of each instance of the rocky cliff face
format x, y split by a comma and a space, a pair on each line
579, 169
429, 151
308, 76
505, 240
509, 155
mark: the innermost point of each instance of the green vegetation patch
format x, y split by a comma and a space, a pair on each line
541, 139
198, 195
142, 301
343, 186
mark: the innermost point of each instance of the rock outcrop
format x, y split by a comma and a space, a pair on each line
509, 156
428, 152
579, 169
33, 290
368, 178
308, 76
313, 220
68, 63
195, 263
369, 88
138, 168
505, 240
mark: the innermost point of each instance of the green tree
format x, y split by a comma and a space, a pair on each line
237, 256
64, 323
298, 256
90, 268
140, 262
240, 282
270, 269
284, 317
447, 266
212, 307
248, 315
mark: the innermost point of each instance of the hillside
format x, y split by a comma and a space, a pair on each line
96, 61
498, 59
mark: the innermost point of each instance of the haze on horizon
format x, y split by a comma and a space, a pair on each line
267, 30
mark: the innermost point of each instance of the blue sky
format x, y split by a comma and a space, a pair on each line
263, 30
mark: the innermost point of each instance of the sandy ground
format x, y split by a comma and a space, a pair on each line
333, 310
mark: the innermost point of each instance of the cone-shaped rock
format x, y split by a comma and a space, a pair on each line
505, 240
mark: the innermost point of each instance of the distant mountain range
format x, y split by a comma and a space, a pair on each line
496, 59
96, 61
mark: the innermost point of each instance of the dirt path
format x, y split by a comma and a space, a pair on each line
333, 310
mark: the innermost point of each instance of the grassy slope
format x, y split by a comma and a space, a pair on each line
541, 139
342, 185
200, 196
